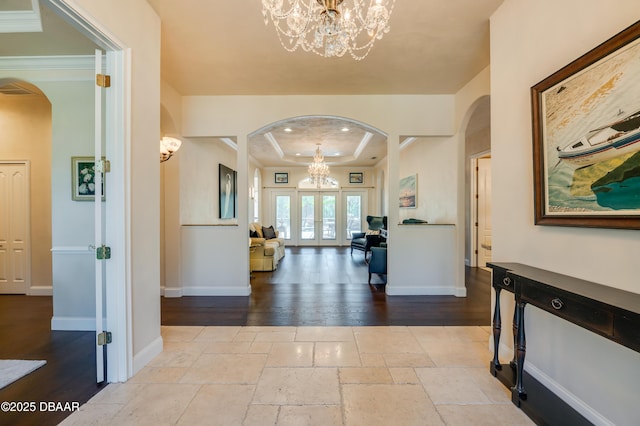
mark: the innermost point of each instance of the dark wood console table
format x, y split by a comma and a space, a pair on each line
612, 313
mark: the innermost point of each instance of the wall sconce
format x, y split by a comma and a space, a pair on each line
168, 146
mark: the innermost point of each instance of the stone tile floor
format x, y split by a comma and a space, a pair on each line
311, 376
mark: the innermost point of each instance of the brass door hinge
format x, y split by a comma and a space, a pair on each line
103, 252
104, 338
103, 166
103, 80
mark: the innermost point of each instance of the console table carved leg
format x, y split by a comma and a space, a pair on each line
516, 319
497, 327
517, 392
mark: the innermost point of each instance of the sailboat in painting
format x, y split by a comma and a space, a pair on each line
604, 143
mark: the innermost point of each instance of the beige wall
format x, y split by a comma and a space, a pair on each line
432, 160
25, 121
199, 180
530, 41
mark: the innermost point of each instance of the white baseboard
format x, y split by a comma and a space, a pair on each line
145, 356
216, 291
506, 355
460, 292
73, 323
41, 290
576, 403
392, 290
171, 291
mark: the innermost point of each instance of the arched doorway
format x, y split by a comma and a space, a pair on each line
25, 189
356, 155
477, 148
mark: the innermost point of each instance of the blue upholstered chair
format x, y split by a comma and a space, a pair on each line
364, 240
378, 262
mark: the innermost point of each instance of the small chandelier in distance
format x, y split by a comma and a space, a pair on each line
168, 146
329, 27
318, 170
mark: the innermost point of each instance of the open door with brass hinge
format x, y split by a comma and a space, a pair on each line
103, 252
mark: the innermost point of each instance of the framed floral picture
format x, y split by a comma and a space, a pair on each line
83, 173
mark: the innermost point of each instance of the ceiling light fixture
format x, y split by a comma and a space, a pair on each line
318, 170
329, 27
168, 147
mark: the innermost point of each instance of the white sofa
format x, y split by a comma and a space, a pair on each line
265, 253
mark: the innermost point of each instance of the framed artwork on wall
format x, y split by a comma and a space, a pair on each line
83, 174
586, 138
356, 177
408, 191
227, 192
281, 177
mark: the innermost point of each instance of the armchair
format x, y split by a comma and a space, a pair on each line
378, 262
366, 240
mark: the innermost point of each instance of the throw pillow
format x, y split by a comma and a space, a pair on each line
373, 232
253, 234
269, 232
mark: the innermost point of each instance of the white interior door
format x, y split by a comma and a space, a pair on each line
15, 269
484, 211
102, 253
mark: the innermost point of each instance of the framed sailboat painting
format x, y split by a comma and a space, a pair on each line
586, 138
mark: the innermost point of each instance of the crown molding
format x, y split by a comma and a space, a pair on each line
21, 21
47, 63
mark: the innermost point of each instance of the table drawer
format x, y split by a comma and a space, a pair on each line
501, 279
626, 330
581, 311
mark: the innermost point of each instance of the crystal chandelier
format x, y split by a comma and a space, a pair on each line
318, 170
329, 27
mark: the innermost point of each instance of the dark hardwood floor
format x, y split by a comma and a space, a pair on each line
328, 287
312, 286
69, 374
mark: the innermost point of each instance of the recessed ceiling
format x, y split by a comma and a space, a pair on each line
293, 142
56, 38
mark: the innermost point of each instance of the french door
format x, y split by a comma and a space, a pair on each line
318, 218
355, 203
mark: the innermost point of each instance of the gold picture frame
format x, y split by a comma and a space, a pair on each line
586, 138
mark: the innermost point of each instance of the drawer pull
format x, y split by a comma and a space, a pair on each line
506, 281
557, 304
